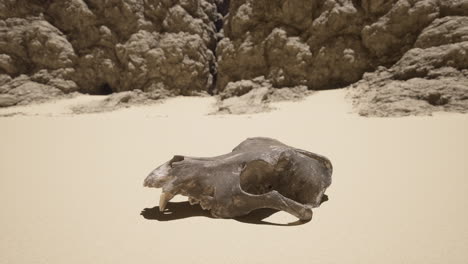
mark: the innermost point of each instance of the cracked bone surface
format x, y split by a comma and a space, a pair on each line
258, 173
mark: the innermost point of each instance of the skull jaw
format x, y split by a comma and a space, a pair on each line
245, 203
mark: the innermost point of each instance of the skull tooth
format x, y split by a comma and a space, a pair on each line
163, 199
193, 201
205, 206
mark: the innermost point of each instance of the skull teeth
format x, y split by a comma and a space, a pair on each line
163, 199
193, 201
205, 206
205, 202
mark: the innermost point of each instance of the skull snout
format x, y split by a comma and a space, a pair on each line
158, 177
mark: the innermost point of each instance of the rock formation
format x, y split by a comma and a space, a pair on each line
413, 50
329, 44
431, 75
101, 47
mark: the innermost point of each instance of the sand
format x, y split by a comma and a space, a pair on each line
71, 186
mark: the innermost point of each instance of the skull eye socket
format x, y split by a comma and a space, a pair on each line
258, 177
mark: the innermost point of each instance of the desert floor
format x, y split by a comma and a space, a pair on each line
71, 186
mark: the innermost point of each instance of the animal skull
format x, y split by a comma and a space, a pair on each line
258, 173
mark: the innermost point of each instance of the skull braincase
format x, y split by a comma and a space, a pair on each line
258, 173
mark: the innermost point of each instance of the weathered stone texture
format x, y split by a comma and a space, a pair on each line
193, 46
100, 47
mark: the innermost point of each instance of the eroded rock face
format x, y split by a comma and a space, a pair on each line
311, 43
100, 47
332, 43
432, 76
422, 82
206, 46
173, 61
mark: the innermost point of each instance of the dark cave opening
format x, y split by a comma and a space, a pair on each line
104, 89
436, 99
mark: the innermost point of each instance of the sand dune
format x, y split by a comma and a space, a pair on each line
71, 186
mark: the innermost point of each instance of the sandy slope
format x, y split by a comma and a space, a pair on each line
71, 187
